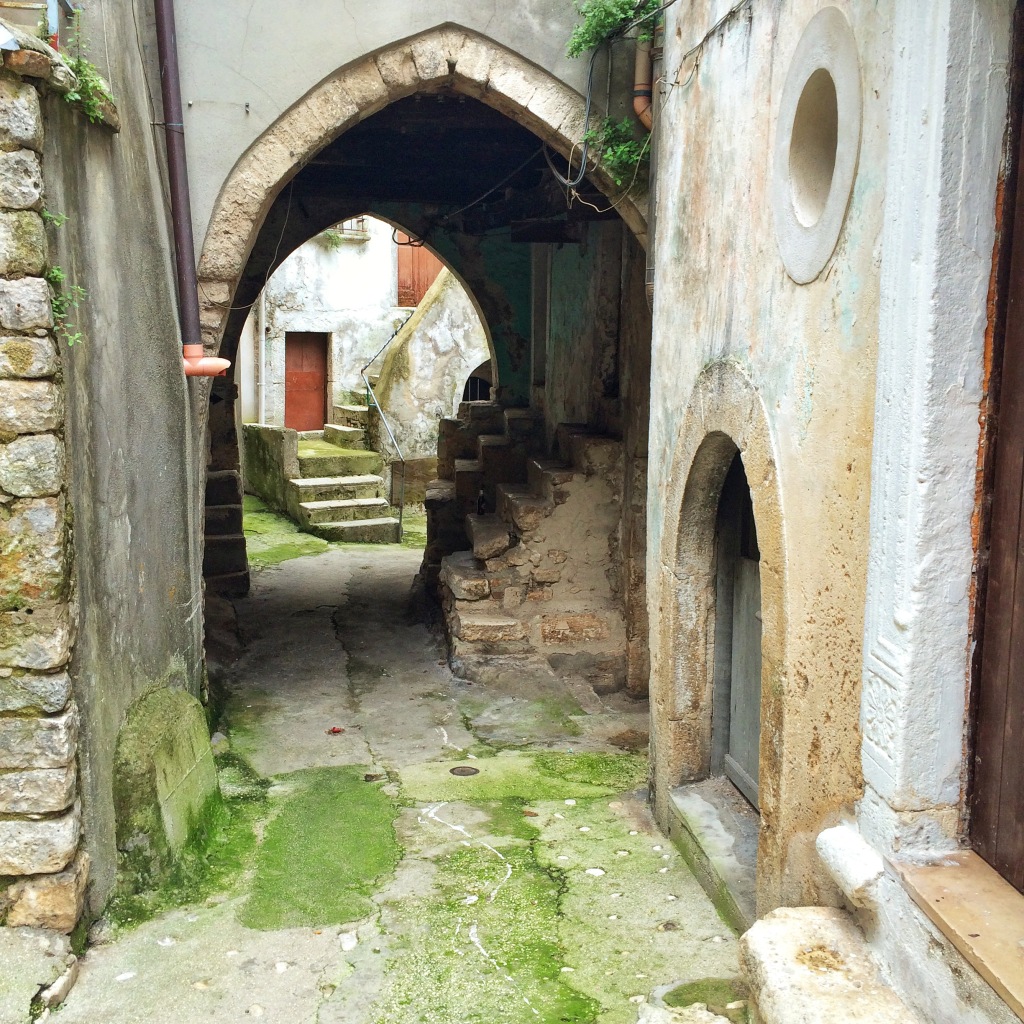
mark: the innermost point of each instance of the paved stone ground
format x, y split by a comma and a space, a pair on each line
536, 890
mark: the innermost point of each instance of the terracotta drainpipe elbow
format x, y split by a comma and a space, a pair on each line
643, 84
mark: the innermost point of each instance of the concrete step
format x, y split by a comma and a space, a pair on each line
812, 964
488, 534
439, 493
344, 510
345, 437
525, 426
310, 435
487, 417
223, 520
716, 831
589, 452
465, 580
490, 629
360, 531
338, 488
223, 487
549, 477
321, 458
351, 416
522, 508
469, 477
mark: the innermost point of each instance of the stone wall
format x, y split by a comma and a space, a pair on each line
43, 870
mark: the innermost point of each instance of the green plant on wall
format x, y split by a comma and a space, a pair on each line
331, 239
65, 299
91, 92
603, 19
626, 158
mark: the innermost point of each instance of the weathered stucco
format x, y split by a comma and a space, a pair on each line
135, 430
786, 372
424, 371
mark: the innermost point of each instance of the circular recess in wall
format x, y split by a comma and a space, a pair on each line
817, 144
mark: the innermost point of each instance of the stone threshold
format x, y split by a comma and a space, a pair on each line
716, 830
979, 912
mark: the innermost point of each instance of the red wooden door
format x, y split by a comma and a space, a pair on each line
305, 380
418, 268
997, 819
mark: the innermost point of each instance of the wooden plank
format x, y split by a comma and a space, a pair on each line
980, 913
993, 815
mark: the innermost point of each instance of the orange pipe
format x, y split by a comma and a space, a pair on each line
199, 365
643, 85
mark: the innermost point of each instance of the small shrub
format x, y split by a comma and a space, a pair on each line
626, 158
602, 19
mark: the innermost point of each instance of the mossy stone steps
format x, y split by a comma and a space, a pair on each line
352, 438
383, 530
343, 510
321, 458
357, 416
337, 488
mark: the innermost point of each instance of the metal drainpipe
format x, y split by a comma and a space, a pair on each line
646, 79
195, 363
261, 357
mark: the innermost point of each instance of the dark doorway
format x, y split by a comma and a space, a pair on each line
997, 818
736, 715
305, 380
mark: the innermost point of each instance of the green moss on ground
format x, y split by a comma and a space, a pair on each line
324, 853
530, 777
414, 529
715, 993
216, 860
618, 772
272, 538
474, 958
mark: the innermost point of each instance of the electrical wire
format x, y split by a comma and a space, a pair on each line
698, 49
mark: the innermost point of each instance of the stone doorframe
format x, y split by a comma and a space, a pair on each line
442, 58
724, 415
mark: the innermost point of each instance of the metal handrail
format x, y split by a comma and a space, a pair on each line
372, 399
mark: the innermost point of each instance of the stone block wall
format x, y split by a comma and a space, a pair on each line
43, 871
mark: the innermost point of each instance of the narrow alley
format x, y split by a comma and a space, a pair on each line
385, 884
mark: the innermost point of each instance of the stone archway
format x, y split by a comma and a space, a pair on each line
448, 57
725, 415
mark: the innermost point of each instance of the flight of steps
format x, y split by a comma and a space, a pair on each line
339, 493
542, 571
483, 446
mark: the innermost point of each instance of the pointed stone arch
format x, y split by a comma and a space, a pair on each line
725, 414
447, 57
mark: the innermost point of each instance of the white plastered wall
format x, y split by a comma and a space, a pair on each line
946, 131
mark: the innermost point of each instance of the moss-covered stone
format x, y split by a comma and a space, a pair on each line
165, 785
324, 853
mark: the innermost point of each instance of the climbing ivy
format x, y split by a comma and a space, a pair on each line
602, 19
91, 92
626, 158
64, 299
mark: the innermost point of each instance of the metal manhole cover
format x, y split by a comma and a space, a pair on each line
464, 769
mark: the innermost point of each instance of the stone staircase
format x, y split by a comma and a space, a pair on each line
538, 573
339, 493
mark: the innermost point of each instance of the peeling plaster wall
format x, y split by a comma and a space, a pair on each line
348, 293
425, 369
808, 352
134, 429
